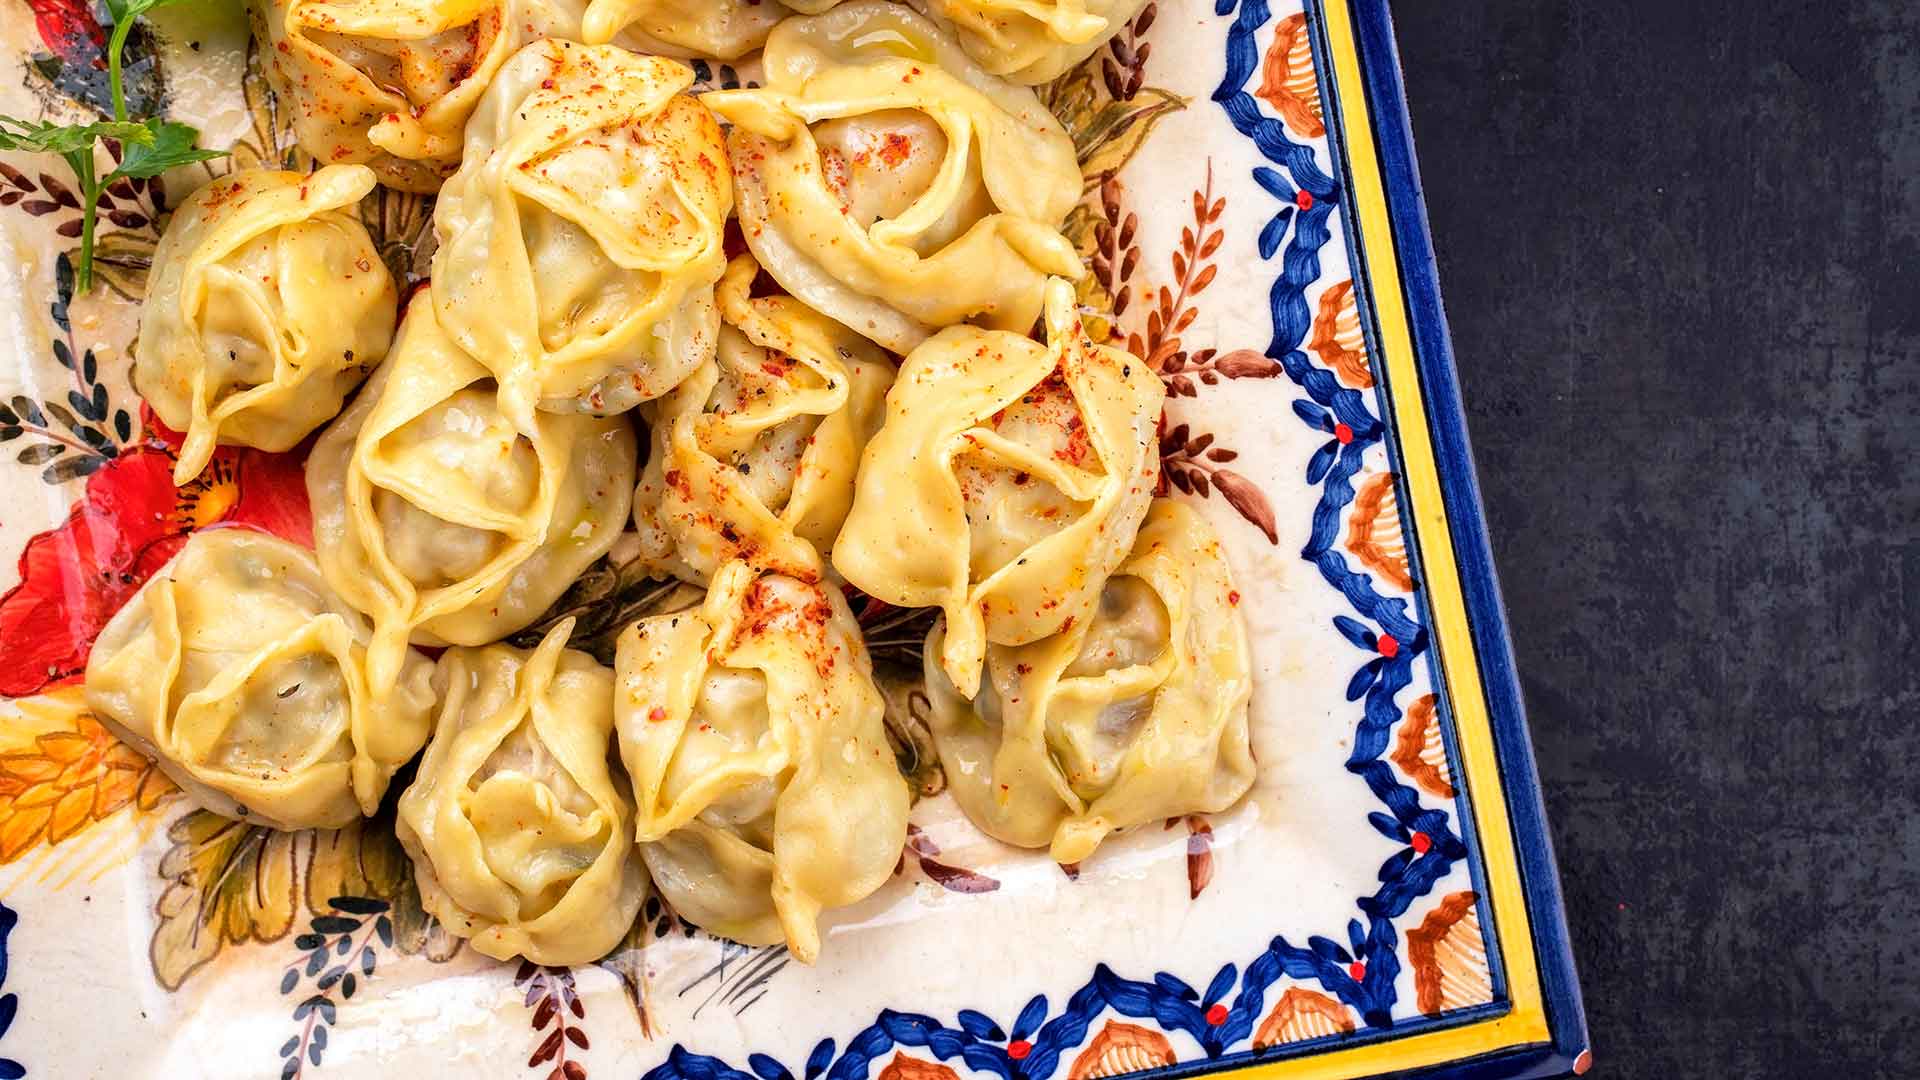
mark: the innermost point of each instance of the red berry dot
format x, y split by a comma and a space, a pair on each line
1303, 199
1422, 843
1018, 1049
1217, 1015
1343, 433
1357, 969
1389, 646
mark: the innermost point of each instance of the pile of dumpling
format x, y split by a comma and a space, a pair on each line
859, 399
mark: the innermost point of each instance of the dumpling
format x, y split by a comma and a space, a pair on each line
1033, 41
517, 826
241, 674
754, 455
444, 522
721, 29
581, 239
386, 83
888, 181
268, 303
1133, 715
765, 788
1006, 483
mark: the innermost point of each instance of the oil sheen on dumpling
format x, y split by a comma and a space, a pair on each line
766, 791
720, 29
443, 521
267, 304
1033, 41
1006, 483
754, 455
241, 674
518, 828
386, 83
1134, 715
888, 181
581, 239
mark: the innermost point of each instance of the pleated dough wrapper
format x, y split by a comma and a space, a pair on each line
242, 675
518, 829
1033, 41
1134, 715
267, 305
765, 786
581, 239
1006, 483
385, 83
716, 29
441, 520
754, 456
889, 182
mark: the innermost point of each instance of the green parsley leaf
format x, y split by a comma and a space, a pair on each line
40, 137
147, 148
124, 12
167, 144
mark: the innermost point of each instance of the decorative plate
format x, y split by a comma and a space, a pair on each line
1384, 902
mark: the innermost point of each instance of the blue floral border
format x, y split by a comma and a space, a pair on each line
1363, 970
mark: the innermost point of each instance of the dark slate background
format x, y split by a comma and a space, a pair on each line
1679, 242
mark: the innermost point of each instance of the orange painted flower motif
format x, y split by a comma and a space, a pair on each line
1421, 752
1120, 1049
1448, 955
1337, 337
128, 524
1302, 1015
1376, 536
69, 777
903, 1067
1288, 83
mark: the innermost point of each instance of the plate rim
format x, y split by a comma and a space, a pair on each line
1546, 1033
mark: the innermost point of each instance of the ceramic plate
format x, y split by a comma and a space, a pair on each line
1383, 902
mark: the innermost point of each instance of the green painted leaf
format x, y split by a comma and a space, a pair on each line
1118, 129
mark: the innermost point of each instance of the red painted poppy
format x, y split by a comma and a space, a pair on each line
128, 524
69, 30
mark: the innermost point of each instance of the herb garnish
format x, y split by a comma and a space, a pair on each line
148, 147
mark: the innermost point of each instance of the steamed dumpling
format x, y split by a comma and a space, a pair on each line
443, 521
242, 675
754, 455
889, 182
518, 828
385, 83
765, 786
267, 304
1006, 483
581, 239
1136, 714
1033, 41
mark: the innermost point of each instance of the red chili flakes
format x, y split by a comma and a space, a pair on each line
896, 150
1233, 598
656, 714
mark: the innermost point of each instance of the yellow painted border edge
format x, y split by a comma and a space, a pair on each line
1525, 1023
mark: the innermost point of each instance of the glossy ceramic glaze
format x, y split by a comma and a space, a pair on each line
1383, 900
